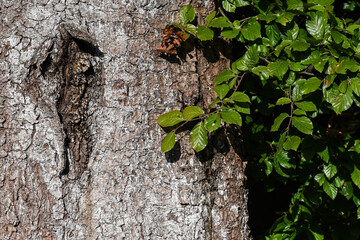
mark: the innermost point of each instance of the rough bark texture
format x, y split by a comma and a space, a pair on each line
81, 89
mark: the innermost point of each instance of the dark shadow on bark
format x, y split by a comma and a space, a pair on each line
174, 154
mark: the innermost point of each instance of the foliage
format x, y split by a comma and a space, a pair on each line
295, 89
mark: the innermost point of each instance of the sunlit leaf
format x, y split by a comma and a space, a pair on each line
191, 112
278, 69
355, 176
292, 143
198, 137
278, 121
251, 30
187, 14
316, 24
224, 76
283, 101
303, 124
310, 85
221, 90
320, 178
220, 22
231, 116
170, 119
168, 142
213, 122
307, 106
240, 97
330, 170
204, 33
330, 190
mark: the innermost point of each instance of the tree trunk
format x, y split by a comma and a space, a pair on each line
81, 89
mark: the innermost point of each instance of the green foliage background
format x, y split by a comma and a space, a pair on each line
295, 90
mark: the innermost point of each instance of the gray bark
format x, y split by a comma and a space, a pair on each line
81, 89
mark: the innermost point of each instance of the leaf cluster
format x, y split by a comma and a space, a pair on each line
296, 92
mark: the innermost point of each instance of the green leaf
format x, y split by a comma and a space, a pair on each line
317, 24
262, 72
329, 79
213, 122
358, 213
228, 6
198, 137
283, 159
230, 33
252, 30
293, 31
296, 66
251, 57
273, 33
269, 167
168, 142
190, 28
242, 108
296, 93
268, 17
343, 86
240, 3
210, 17
300, 45
343, 101
303, 124
285, 17
231, 116
240, 97
216, 101
355, 85
347, 190
170, 119
191, 112
330, 190
278, 69
319, 63
355, 176
281, 46
299, 112
338, 182
224, 76
330, 170
324, 154
294, 4
322, 2
310, 85
320, 178
249, 60
307, 106
292, 143
338, 37
317, 233
278, 121
220, 22
204, 33
187, 14
283, 101
221, 90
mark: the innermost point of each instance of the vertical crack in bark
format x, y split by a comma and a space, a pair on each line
78, 78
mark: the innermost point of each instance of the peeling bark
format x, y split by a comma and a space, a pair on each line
81, 89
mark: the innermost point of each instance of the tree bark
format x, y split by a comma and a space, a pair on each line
81, 89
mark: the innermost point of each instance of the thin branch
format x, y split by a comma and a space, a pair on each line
238, 84
307, 73
265, 59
